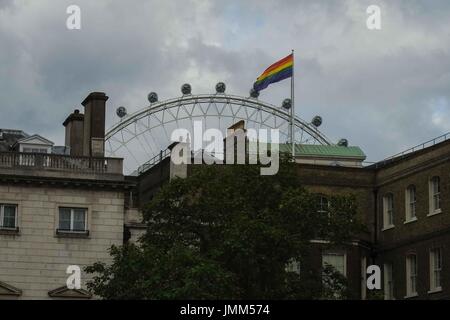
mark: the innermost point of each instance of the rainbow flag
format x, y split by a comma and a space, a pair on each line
276, 72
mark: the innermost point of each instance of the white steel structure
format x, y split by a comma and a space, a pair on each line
141, 136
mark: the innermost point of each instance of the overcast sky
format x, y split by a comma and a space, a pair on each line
383, 90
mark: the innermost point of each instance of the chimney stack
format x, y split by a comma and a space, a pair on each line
94, 124
236, 143
74, 133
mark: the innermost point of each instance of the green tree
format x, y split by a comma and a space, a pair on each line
226, 232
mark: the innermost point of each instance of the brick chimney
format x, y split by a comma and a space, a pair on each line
94, 124
236, 143
74, 133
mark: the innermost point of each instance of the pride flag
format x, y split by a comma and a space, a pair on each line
276, 72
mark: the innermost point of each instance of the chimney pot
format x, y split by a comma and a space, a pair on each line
74, 133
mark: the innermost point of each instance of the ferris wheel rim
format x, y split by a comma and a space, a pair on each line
216, 98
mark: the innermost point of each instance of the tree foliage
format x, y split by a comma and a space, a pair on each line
226, 232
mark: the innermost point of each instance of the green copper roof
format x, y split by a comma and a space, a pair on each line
324, 151
331, 151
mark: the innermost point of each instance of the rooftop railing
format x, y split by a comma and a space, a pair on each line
418, 147
57, 162
163, 154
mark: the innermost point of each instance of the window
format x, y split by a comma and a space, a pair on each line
322, 204
72, 219
8, 216
410, 204
388, 211
35, 150
435, 269
435, 195
293, 266
411, 275
388, 282
337, 260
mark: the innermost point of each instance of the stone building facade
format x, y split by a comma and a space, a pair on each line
56, 211
34, 257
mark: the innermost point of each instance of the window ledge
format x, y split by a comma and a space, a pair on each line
9, 231
435, 290
410, 220
387, 228
434, 213
72, 234
411, 295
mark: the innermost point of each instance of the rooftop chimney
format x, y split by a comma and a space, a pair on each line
94, 124
74, 133
235, 147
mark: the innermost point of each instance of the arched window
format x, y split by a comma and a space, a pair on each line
388, 211
435, 195
323, 204
410, 203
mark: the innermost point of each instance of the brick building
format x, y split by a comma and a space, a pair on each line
404, 202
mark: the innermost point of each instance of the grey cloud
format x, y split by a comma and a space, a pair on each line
383, 90
5, 3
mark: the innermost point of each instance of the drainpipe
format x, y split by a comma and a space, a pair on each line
375, 223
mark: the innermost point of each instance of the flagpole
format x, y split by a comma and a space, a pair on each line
292, 107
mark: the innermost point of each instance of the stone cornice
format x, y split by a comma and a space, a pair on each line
119, 184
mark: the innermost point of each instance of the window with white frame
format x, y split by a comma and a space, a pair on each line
410, 203
388, 282
435, 195
8, 216
388, 211
411, 275
435, 269
336, 260
72, 219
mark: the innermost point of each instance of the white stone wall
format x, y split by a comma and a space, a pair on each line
133, 219
35, 261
